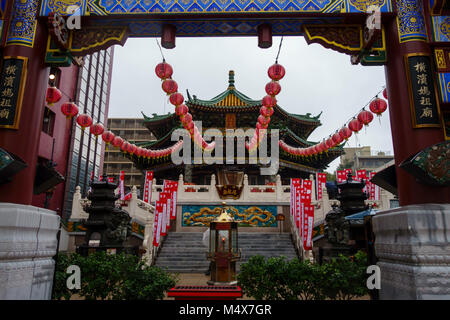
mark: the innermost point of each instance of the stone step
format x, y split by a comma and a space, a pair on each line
185, 252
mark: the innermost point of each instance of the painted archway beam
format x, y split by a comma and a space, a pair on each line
83, 41
364, 42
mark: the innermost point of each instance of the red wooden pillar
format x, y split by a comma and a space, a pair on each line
407, 140
24, 142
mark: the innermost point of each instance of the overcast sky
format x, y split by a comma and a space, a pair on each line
317, 79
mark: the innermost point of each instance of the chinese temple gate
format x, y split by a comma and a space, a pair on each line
233, 110
411, 39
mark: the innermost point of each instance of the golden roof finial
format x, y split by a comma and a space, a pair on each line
224, 216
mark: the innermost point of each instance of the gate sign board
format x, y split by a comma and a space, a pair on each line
12, 80
422, 91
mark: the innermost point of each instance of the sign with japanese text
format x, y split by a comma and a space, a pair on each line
171, 187
321, 181
12, 81
306, 191
422, 92
295, 183
308, 222
148, 186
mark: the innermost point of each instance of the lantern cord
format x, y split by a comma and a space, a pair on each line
160, 50
376, 95
279, 49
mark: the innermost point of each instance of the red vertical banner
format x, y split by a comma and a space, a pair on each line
306, 191
163, 196
148, 186
362, 175
374, 189
341, 176
321, 182
172, 188
295, 183
157, 223
297, 210
308, 222
174, 194
122, 185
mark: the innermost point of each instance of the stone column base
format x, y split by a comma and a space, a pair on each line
27, 244
412, 244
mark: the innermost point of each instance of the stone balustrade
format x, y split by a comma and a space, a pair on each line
188, 194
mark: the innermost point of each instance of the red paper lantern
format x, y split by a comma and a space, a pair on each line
276, 72
266, 111
269, 101
322, 146
131, 148
164, 70
355, 125
69, 109
125, 145
97, 129
117, 142
378, 106
273, 88
329, 143
385, 93
169, 86
176, 99
53, 95
108, 137
263, 120
181, 110
337, 139
365, 117
345, 133
187, 118
84, 121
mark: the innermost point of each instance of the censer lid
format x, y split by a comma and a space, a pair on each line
224, 216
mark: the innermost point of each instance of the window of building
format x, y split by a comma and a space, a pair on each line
49, 121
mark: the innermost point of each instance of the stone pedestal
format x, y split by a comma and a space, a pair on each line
412, 244
27, 244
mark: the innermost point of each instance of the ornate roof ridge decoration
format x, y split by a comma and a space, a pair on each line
157, 142
156, 117
302, 142
300, 117
229, 98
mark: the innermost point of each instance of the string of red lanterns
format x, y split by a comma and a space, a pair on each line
276, 72
70, 110
363, 118
164, 71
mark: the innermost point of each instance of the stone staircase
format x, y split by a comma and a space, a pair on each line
184, 252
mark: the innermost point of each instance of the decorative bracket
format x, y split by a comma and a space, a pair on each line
366, 44
372, 32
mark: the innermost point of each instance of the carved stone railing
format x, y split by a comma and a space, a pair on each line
276, 194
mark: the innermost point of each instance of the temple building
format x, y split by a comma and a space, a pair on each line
232, 109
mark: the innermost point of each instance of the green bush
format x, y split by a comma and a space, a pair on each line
278, 279
112, 276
